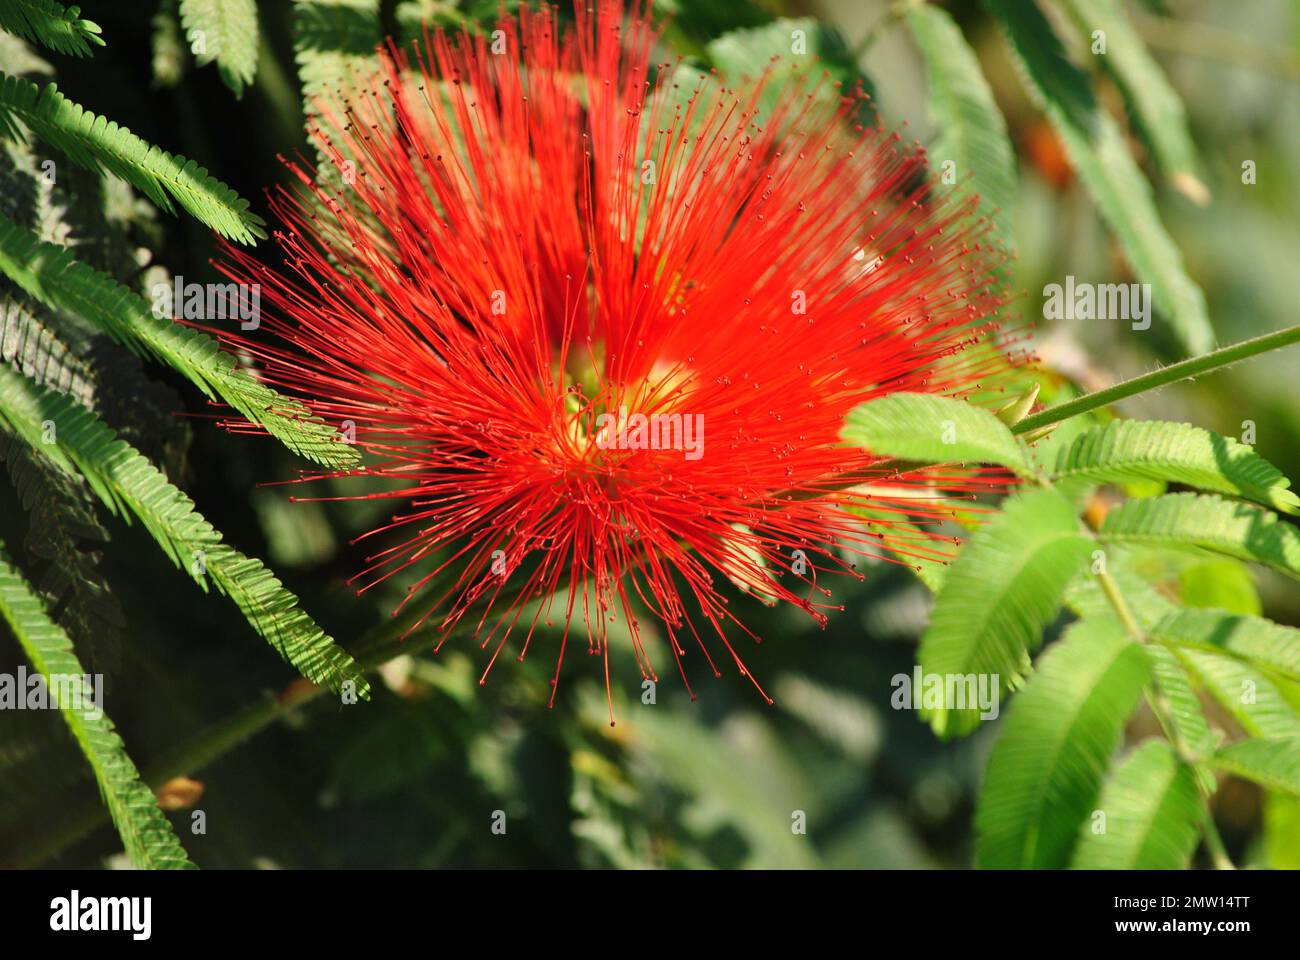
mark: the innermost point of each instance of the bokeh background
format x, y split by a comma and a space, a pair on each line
414, 777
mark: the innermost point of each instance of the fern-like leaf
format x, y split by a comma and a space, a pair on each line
1207, 523
923, 427
1252, 698
1173, 686
1046, 768
752, 51
1000, 593
29, 345
149, 839
224, 31
1177, 452
1087, 599
50, 24
1098, 150
972, 134
64, 534
51, 274
1152, 807
68, 356
132, 487
1154, 105
98, 144
334, 44
1264, 643
1271, 763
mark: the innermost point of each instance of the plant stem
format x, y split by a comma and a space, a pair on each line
1214, 843
1182, 370
1120, 605
1160, 707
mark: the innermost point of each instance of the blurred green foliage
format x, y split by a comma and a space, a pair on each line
416, 776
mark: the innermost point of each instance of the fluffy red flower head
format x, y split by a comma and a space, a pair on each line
604, 326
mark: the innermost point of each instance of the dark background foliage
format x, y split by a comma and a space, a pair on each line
413, 778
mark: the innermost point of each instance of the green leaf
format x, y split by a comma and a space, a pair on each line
31, 345
1124, 450
413, 17
224, 31
1281, 840
1210, 523
1086, 598
334, 45
1173, 686
1219, 583
50, 274
804, 48
1271, 763
1266, 644
332, 40
930, 429
50, 24
1046, 768
149, 839
690, 24
1247, 694
1098, 151
1155, 106
915, 548
63, 548
99, 145
1000, 593
1152, 808
972, 133
131, 486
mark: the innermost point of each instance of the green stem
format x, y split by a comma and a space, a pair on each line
1214, 843
1159, 378
1160, 707
1111, 589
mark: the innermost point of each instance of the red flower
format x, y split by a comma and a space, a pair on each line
604, 331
